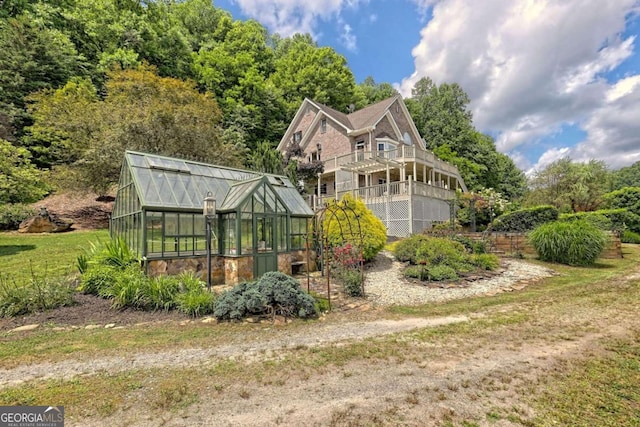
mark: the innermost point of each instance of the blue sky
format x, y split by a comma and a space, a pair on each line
547, 78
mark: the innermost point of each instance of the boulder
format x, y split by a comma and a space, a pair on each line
44, 222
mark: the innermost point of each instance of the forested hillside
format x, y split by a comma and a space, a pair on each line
83, 80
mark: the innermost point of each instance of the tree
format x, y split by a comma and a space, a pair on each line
302, 69
370, 92
569, 186
442, 116
141, 111
626, 177
33, 56
20, 181
266, 159
627, 197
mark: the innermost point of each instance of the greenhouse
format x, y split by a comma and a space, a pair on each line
259, 224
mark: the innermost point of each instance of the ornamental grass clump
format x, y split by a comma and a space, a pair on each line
576, 243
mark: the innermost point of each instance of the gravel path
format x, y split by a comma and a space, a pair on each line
385, 284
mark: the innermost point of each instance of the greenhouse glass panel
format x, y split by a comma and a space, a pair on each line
246, 230
154, 233
170, 241
298, 232
282, 233
229, 242
200, 235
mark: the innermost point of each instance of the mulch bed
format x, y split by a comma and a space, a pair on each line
89, 310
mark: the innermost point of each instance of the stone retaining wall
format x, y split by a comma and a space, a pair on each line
513, 244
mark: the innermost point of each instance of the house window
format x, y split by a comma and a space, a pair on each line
314, 156
381, 181
323, 188
381, 146
297, 137
360, 145
323, 125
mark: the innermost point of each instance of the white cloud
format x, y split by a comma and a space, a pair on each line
531, 66
347, 38
373, 18
288, 17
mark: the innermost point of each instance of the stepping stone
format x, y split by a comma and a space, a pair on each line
25, 328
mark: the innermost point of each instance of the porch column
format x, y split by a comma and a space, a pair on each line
415, 171
403, 172
319, 195
424, 173
388, 180
449, 182
410, 207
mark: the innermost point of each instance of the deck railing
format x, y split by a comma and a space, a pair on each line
391, 191
408, 153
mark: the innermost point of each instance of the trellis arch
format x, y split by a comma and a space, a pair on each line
350, 231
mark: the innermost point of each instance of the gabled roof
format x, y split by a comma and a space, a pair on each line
165, 183
371, 114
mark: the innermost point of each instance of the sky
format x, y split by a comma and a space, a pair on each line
547, 78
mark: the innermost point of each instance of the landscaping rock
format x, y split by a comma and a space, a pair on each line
44, 222
25, 328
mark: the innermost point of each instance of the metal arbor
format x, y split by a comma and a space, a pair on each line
350, 229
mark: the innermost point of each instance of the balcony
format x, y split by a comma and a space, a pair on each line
371, 162
390, 192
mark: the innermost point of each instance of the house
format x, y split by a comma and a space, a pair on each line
376, 154
260, 223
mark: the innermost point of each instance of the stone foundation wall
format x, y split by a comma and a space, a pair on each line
198, 266
238, 270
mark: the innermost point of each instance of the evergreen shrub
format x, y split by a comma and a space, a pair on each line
573, 243
273, 294
525, 219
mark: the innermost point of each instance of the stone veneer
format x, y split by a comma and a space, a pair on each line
229, 271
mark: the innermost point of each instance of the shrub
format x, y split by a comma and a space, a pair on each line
435, 273
439, 273
472, 246
38, 294
342, 226
485, 261
405, 250
11, 215
345, 266
98, 279
630, 237
608, 219
574, 243
525, 219
274, 294
437, 250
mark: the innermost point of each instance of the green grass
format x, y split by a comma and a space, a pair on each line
47, 254
602, 391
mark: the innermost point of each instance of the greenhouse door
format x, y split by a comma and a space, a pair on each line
266, 258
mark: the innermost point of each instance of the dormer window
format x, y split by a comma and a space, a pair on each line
297, 137
323, 125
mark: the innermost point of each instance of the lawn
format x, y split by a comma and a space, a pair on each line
51, 254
